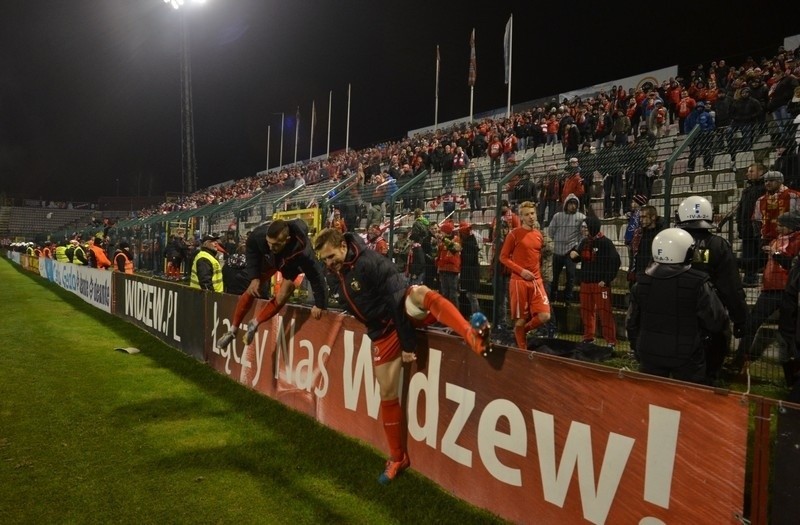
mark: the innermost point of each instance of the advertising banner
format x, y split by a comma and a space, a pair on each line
786, 465
90, 284
172, 312
541, 436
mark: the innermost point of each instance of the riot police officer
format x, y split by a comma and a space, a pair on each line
713, 255
673, 311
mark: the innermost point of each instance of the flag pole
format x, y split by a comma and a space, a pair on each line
436, 97
472, 73
330, 101
347, 132
269, 128
510, 54
313, 121
296, 132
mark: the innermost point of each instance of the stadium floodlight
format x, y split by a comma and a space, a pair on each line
188, 160
177, 4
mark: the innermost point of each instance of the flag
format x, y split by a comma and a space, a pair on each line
473, 65
438, 59
507, 49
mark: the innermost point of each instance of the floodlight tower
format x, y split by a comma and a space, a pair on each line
188, 159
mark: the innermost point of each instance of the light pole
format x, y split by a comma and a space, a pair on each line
188, 159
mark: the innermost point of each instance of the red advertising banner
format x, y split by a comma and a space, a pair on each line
542, 436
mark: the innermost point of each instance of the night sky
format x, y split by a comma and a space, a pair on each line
90, 89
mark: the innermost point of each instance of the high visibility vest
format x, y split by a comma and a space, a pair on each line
216, 278
61, 254
75, 259
128, 263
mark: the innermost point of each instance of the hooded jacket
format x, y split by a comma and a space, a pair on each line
598, 256
565, 228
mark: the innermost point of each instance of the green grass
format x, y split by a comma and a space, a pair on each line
90, 435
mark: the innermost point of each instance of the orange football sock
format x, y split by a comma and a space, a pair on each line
392, 415
446, 313
242, 307
533, 324
519, 335
270, 309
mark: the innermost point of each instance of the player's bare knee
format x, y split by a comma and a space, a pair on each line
544, 316
519, 322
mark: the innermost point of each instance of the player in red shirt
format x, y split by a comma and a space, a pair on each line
521, 254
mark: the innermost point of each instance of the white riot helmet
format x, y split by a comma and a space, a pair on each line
695, 212
673, 246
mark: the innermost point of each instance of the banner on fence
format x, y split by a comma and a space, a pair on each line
544, 436
90, 284
172, 312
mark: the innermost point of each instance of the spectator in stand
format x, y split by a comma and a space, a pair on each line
781, 252
748, 229
123, 259
549, 195
746, 113
673, 98
572, 139
573, 183
779, 96
460, 163
375, 240
658, 120
497, 235
634, 113
788, 163
510, 142
600, 263
650, 224
473, 183
552, 132
470, 265
400, 249
602, 129
564, 229
175, 253
415, 264
47, 251
448, 159
667, 327
722, 119
702, 143
495, 152
777, 200
448, 263
336, 221
521, 255
621, 128
686, 105
609, 161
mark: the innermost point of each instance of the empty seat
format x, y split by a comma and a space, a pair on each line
702, 182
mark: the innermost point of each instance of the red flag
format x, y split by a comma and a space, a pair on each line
473, 65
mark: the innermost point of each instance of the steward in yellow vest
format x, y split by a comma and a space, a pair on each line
206, 270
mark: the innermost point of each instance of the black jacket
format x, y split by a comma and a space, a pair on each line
672, 308
370, 287
297, 257
713, 255
745, 225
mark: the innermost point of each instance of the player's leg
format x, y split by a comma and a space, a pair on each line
387, 371
269, 310
538, 305
243, 306
517, 296
420, 300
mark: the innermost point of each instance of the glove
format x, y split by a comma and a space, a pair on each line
738, 331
